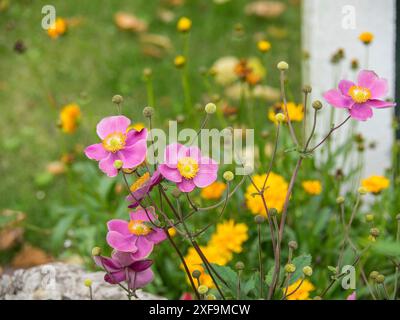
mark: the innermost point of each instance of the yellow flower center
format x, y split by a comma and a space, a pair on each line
114, 141
188, 167
137, 227
140, 182
359, 94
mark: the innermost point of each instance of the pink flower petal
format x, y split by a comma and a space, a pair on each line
141, 265
133, 155
120, 242
379, 88
380, 104
207, 174
140, 214
344, 86
186, 185
125, 259
173, 153
336, 99
110, 265
361, 111
107, 165
115, 277
169, 173
144, 246
140, 279
96, 152
134, 136
195, 153
366, 78
112, 124
118, 225
158, 235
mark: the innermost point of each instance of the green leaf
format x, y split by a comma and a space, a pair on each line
230, 277
300, 262
388, 248
61, 229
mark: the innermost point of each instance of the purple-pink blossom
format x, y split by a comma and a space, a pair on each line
118, 143
187, 167
123, 267
142, 186
359, 98
137, 236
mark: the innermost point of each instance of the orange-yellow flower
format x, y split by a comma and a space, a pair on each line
296, 112
313, 187
69, 117
366, 37
302, 292
264, 46
274, 193
229, 236
58, 28
184, 24
375, 184
213, 191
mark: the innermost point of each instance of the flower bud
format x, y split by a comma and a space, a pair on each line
239, 265
272, 212
87, 282
283, 65
176, 193
380, 278
374, 232
340, 200
317, 105
317, 298
228, 175
117, 99
210, 296
96, 251
280, 117
259, 219
263, 46
369, 217
148, 112
118, 164
196, 274
293, 245
373, 275
202, 289
179, 61
362, 191
210, 108
290, 268
307, 89
184, 24
308, 271
147, 73
398, 217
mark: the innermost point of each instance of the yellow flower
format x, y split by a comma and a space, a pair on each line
137, 126
274, 193
313, 187
57, 29
69, 117
302, 293
229, 236
213, 191
375, 184
184, 24
172, 231
179, 61
296, 112
264, 46
213, 255
366, 37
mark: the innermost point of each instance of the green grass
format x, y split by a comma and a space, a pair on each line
93, 62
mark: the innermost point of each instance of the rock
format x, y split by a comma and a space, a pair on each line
59, 281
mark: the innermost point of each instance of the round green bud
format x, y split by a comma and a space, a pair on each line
228, 175
148, 112
259, 219
373, 275
176, 193
118, 164
374, 232
202, 289
317, 298
380, 278
280, 117
87, 282
290, 268
340, 200
239, 265
362, 191
369, 217
282, 65
96, 251
117, 99
398, 217
308, 271
293, 245
210, 108
317, 105
180, 118
196, 274
272, 212
210, 296
307, 89
147, 72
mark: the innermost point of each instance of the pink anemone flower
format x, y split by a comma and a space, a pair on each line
187, 167
123, 267
142, 186
136, 236
118, 143
359, 98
